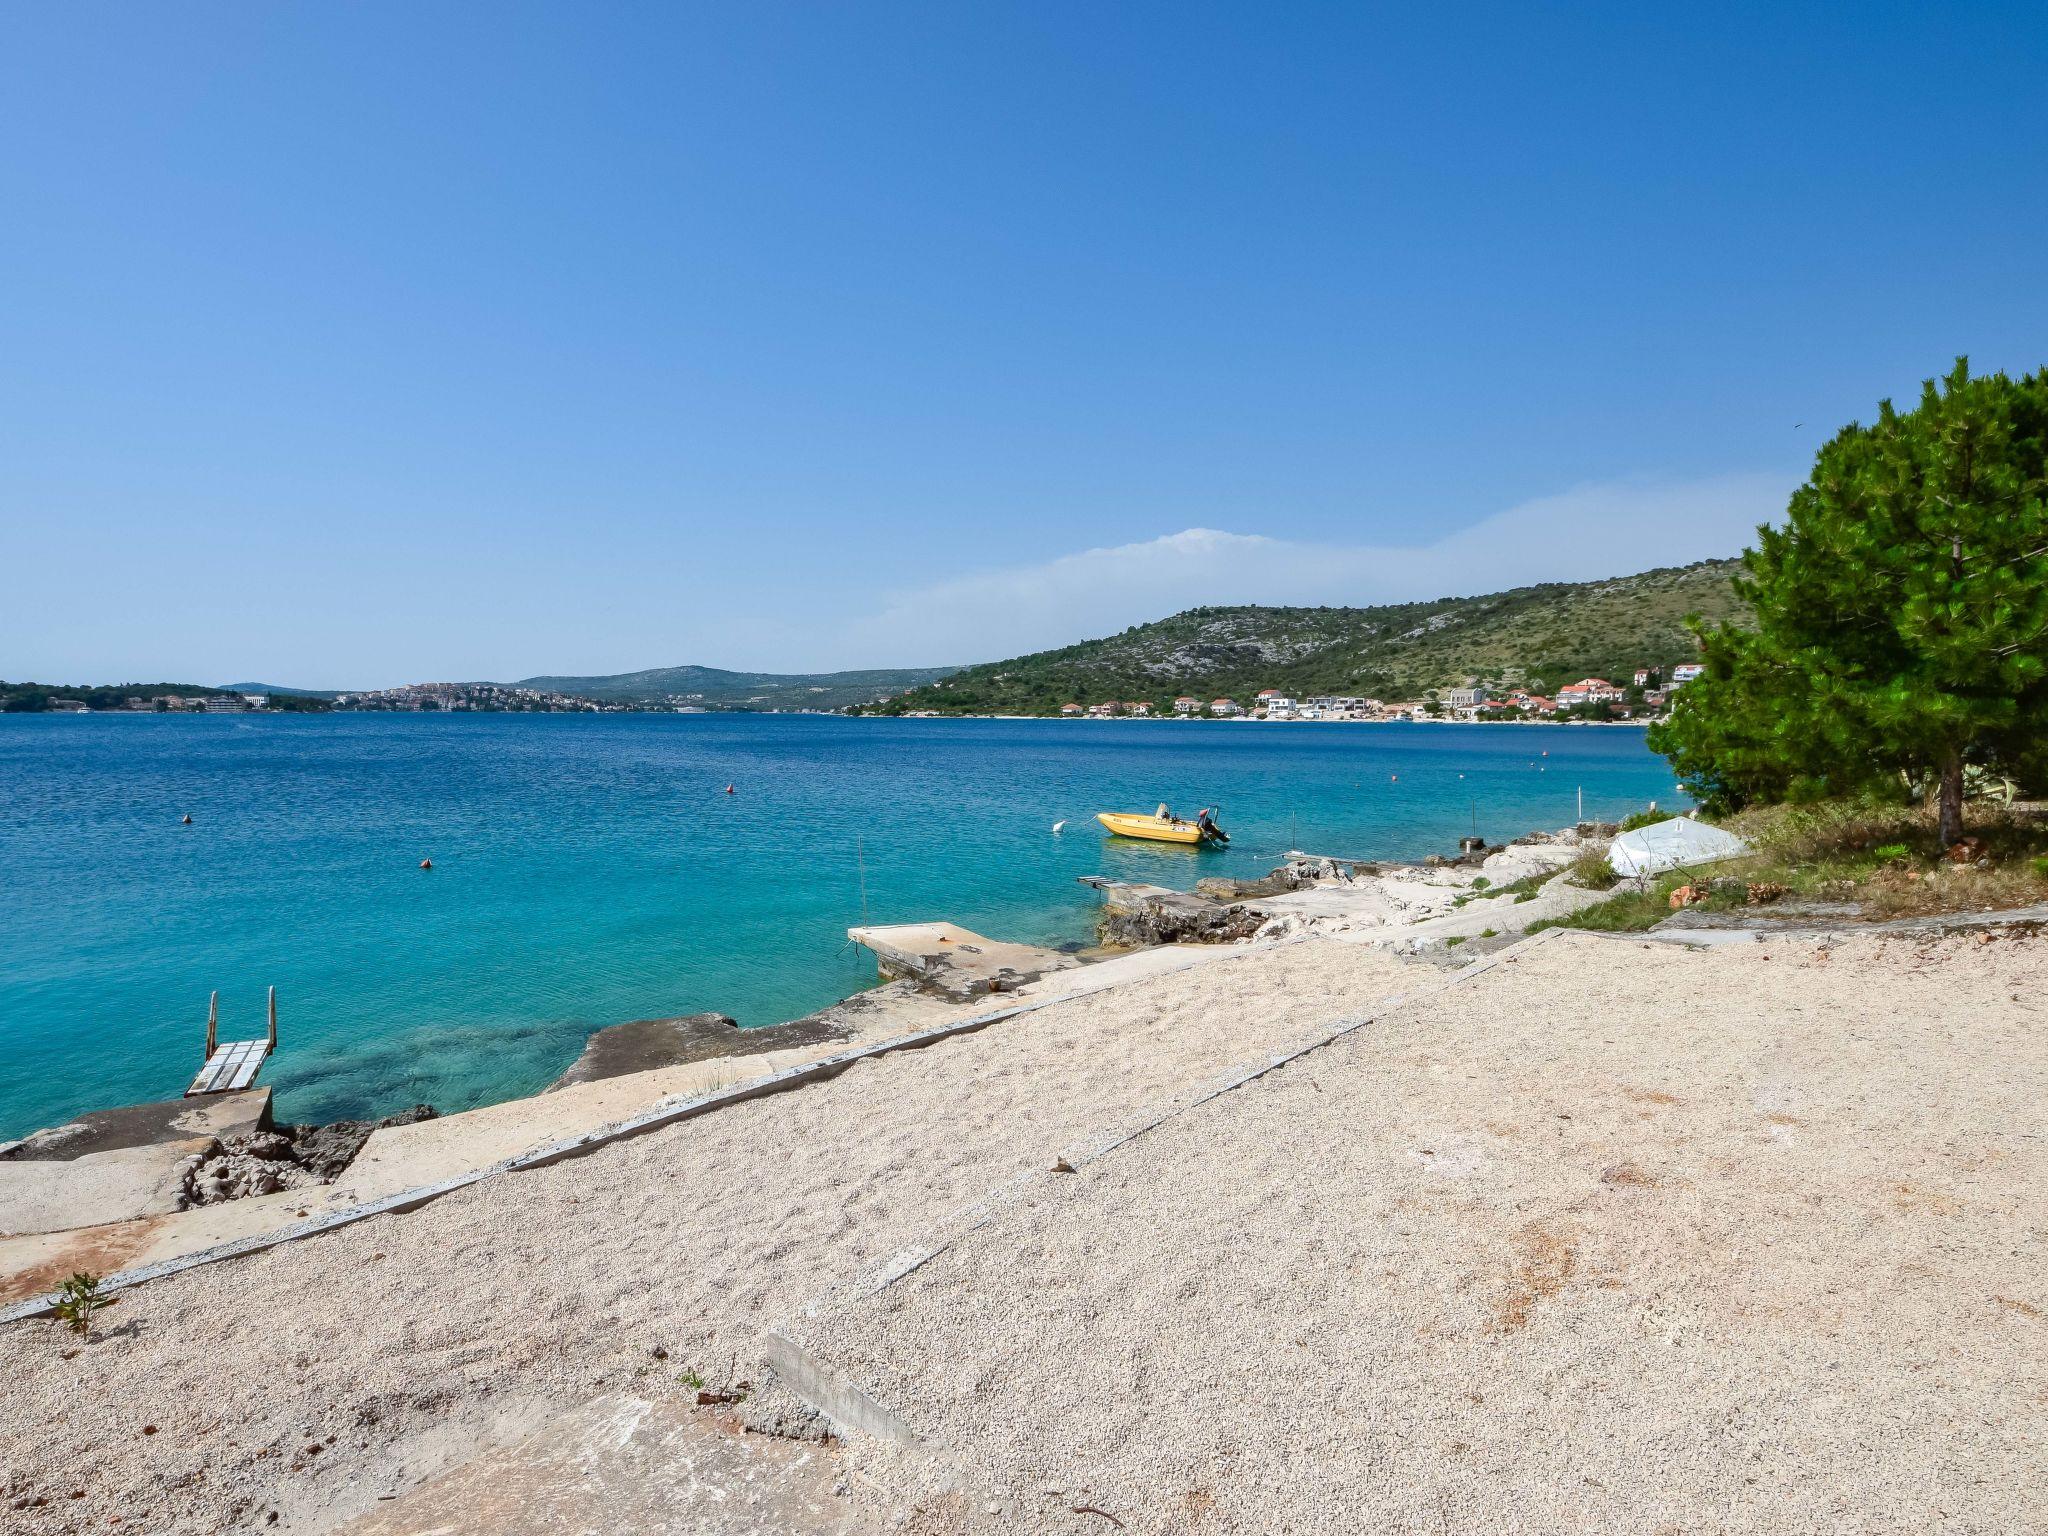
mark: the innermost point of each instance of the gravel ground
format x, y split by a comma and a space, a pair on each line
289, 1390
1614, 1238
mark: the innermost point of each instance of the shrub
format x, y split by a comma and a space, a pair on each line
1591, 871
1645, 819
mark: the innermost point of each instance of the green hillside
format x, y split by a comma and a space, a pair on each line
1548, 635
711, 688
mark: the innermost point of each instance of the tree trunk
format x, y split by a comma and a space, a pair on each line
1950, 825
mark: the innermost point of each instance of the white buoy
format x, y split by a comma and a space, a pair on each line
1058, 824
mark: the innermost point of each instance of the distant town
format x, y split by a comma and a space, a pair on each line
499, 698
1643, 698
30, 697
492, 697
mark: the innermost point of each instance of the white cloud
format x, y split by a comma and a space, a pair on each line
1581, 534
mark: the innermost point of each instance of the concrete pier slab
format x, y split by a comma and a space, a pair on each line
118, 1164
39, 1197
142, 1125
956, 962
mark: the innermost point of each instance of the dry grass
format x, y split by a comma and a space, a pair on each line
1591, 871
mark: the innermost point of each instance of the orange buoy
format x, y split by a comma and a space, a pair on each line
728, 789
426, 863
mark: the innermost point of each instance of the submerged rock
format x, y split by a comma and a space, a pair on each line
646, 1044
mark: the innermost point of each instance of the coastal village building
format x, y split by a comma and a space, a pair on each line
1102, 711
1225, 708
1465, 698
1686, 673
1185, 705
1141, 709
1070, 710
1591, 690
1336, 706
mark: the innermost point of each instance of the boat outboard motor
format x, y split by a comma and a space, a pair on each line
1206, 820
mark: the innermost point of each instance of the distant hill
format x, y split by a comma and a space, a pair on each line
1550, 634
711, 688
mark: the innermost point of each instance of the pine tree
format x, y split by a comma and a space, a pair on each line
1901, 612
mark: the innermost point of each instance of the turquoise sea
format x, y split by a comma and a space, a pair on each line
591, 869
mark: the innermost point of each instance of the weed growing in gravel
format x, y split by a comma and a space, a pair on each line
78, 1298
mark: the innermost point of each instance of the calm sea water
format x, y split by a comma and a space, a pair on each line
590, 869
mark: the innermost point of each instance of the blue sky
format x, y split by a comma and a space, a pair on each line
372, 343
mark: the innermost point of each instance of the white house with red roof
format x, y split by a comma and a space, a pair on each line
1589, 690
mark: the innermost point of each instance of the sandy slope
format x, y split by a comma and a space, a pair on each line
306, 1381
1614, 1238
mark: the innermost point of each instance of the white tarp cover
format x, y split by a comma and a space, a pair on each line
1669, 844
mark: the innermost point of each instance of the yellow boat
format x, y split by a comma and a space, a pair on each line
1162, 826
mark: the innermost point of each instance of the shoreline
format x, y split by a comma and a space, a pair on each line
779, 714
180, 1162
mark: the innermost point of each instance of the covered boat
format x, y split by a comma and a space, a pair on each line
1162, 826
